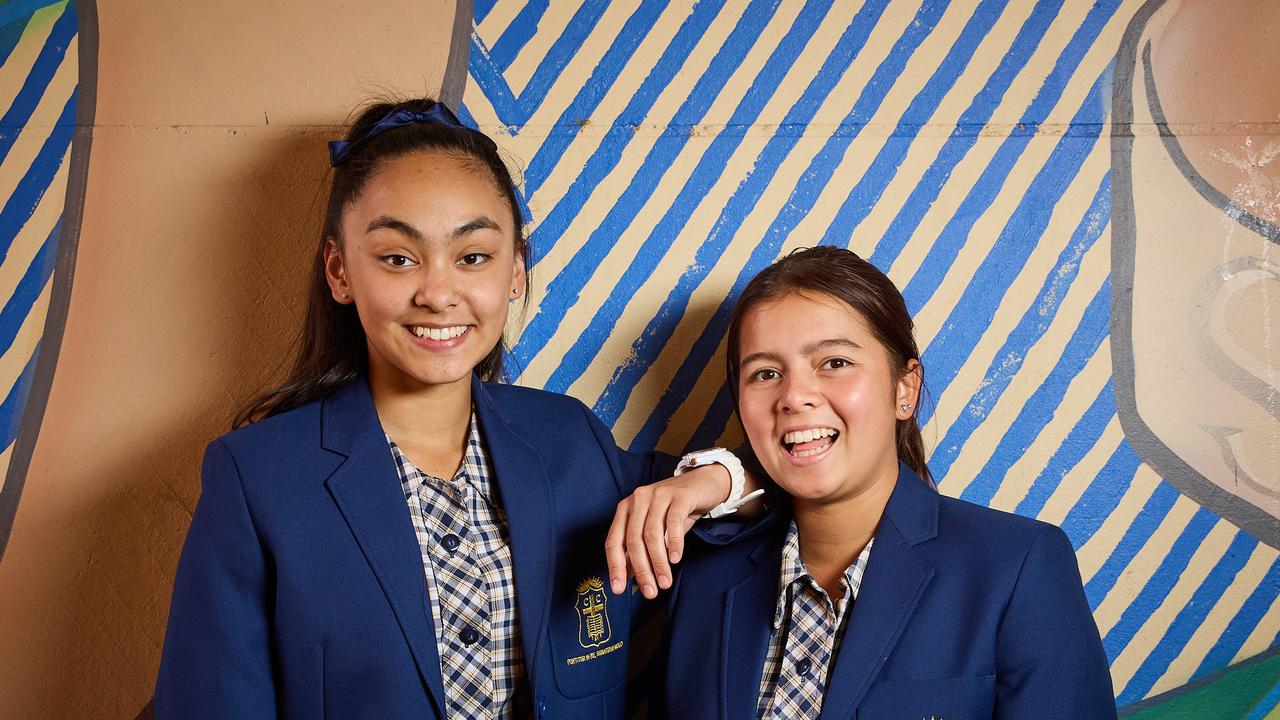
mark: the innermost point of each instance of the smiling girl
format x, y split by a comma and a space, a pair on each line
867, 594
391, 534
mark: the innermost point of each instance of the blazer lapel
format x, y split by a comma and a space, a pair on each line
368, 493
895, 579
748, 624
526, 493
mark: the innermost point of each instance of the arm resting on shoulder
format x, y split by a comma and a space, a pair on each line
216, 661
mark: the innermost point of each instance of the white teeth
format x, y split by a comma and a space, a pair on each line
439, 333
801, 436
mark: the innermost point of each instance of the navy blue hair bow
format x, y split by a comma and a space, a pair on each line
340, 151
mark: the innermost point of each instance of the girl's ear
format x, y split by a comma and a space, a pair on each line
908, 390
517, 278
336, 272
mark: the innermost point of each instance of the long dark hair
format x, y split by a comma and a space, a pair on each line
857, 283
331, 349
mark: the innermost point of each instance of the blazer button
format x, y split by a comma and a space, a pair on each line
804, 666
469, 636
450, 542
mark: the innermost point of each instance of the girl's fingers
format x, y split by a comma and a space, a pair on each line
614, 551
680, 517
655, 539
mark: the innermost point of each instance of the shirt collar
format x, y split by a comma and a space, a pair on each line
794, 571
475, 470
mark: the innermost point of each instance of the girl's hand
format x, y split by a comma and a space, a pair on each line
647, 534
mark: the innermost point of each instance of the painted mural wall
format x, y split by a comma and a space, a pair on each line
1079, 199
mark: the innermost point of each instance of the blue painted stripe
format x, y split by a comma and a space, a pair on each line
799, 203
516, 111
563, 290
882, 169
1189, 619
1161, 582
711, 166
24, 297
1102, 496
1257, 605
522, 28
1264, 707
37, 81
1038, 411
21, 10
972, 314
619, 135
603, 76
480, 9
905, 223
1012, 354
16, 400
1137, 535
33, 185
1074, 447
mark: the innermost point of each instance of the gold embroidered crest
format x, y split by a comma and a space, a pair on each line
593, 614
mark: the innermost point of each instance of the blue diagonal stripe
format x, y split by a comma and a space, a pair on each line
904, 224
1257, 605
21, 10
1137, 535
602, 78
1269, 702
15, 400
38, 79
1102, 496
33, 185
517, 35
1038, 410
1008, 360
972, 314
1189, 619
10, 34
18, 306
1074, 447
516, 111
1163, 580
563, 290
480, 9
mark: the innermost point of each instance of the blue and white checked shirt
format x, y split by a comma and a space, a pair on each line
466, 554
807, 629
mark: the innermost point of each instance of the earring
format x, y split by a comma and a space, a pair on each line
515, 292
344, 296
905, 407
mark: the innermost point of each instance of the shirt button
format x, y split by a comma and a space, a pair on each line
450, 542
803, 666
469, 636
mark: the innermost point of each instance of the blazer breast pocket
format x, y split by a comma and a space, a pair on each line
945, 699
590, 627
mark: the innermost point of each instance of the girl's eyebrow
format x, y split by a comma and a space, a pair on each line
809, 349
389, 223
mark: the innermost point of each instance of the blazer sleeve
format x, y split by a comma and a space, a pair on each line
634, 469
1050, 660
216, 661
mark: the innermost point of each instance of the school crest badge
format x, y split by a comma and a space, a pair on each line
593, 613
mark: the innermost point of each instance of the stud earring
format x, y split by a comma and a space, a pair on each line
344, 296
905, 407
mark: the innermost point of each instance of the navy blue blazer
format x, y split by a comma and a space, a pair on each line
300, 592
964, 612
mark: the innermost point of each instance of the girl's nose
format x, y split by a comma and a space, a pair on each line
437, 289
798, 394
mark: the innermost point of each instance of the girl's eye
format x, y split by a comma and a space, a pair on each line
474, 259
837, 363
764, 375
397, 260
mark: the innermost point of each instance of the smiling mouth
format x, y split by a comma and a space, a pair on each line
807, 443
437, 333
